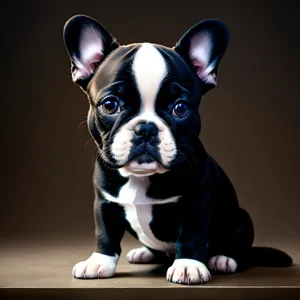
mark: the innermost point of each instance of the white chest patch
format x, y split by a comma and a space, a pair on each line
138, 210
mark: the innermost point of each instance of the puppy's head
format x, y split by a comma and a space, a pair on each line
144, 97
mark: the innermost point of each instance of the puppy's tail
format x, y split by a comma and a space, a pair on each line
269, 257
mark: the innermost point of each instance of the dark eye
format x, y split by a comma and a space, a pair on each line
110, 105
181, 109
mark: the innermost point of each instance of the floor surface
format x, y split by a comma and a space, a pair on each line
39, 270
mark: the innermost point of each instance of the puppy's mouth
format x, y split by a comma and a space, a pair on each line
144, 165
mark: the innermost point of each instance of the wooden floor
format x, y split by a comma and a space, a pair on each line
43, 270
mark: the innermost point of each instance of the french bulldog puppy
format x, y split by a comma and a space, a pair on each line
153, 177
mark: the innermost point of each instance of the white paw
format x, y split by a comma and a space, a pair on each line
96, 266
140, 256
223, 264
188, 271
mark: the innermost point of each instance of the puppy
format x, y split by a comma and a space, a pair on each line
153, 177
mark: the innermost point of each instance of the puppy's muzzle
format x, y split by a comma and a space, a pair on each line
144, 157
145, 143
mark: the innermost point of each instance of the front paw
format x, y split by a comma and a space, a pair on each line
188, 271
96, 266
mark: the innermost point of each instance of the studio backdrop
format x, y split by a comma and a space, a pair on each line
250, 122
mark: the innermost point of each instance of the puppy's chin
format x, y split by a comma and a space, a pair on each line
144, 169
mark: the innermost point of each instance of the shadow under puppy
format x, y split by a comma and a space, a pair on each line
153, 177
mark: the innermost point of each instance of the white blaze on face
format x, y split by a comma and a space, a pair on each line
149, 71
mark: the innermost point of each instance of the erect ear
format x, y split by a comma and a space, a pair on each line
203, 46
87, 43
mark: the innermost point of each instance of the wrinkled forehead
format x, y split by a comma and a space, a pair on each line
147, 67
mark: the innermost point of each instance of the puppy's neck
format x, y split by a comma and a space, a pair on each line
139, 181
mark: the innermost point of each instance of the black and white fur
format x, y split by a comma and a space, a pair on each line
153, 177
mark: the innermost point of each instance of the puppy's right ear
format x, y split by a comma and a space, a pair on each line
87, 43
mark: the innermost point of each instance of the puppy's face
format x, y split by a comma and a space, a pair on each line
145, 105
144, 97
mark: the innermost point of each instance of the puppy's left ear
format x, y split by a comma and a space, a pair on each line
202, 47
87, 43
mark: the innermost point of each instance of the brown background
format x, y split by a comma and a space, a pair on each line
250, 121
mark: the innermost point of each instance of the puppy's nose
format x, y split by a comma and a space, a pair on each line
146, 131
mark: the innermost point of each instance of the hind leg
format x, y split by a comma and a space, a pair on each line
145, 255
230, 247
222, 264
140, 255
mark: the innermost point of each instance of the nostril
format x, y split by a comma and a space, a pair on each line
153, 130
139, 131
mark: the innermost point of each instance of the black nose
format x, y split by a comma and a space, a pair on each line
146, 131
